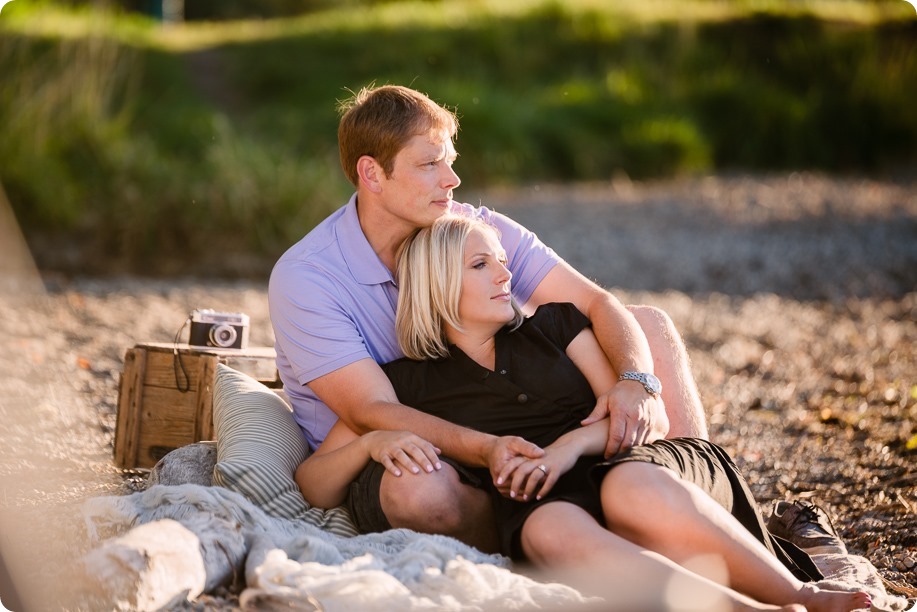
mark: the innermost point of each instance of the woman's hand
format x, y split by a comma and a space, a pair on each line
534, 478
401, 450
508, 452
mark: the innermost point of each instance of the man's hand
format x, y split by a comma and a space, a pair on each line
534, 478
506, 454
635, 416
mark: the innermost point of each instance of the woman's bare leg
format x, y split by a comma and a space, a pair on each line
439, 502
564, 537
650, 506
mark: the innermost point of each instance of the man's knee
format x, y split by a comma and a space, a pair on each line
673, 366
657, 325
431, 503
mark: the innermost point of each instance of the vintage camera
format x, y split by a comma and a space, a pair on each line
228, 330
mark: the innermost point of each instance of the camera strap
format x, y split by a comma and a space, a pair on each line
177, 363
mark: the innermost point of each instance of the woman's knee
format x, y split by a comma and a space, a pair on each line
433, 503
634, 491
560, 533
541, 541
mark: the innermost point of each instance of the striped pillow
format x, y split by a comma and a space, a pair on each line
259, 447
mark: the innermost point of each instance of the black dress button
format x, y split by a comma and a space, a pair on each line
523, 398
502, 371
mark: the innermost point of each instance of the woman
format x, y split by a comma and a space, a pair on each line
473, 359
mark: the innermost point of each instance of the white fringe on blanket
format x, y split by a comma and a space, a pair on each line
292, 563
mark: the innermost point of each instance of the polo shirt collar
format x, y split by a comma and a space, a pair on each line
362, 261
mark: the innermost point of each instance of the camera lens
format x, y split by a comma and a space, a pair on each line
223, 335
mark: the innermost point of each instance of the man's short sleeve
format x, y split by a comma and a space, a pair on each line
314, 334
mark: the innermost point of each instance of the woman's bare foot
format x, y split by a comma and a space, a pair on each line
759, 607
821, 600
743, 603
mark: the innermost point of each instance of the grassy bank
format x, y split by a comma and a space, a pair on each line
136, 140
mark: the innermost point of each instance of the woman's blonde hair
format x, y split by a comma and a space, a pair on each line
430, 269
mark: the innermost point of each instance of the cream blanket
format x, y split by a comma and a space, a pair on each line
293, 565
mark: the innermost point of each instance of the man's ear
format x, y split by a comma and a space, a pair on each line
370, 173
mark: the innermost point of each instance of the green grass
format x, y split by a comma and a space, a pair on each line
117, 128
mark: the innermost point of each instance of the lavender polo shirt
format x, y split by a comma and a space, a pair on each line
332, 303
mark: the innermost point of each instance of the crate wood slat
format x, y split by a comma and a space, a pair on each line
155, 416
161, 371
130, 403
203, 410
164, 431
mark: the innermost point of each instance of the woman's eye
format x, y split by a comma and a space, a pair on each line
478, 266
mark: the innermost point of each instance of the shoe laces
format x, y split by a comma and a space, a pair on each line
809, 514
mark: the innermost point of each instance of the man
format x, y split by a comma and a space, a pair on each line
332, 300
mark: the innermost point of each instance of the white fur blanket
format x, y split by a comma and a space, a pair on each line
293, 565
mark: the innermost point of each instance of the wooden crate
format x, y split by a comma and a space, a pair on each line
155, 416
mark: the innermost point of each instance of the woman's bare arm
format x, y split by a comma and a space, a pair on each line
324, 477
525, 477
588, 356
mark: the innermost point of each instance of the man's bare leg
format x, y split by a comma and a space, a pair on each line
440, 503
672, 366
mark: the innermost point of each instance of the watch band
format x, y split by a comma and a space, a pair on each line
652, 384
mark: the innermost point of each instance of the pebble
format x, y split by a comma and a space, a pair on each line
752, 310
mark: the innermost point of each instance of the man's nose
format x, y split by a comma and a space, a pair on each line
451, 180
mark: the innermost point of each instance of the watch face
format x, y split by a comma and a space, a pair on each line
649, 382
653, 383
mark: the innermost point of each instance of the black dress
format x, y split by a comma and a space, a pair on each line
536, 392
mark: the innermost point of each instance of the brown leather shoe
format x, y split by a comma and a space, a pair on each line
806, 525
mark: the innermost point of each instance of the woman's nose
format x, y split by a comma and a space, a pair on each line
504, 275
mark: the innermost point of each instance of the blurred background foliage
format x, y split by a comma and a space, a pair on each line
129, 144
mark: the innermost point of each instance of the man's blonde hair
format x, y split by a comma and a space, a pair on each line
379, 121
430, 269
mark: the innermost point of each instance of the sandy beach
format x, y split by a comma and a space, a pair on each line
796, 296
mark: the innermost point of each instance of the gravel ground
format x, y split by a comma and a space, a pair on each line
796, 296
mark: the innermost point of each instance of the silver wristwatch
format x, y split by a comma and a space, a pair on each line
649, 382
